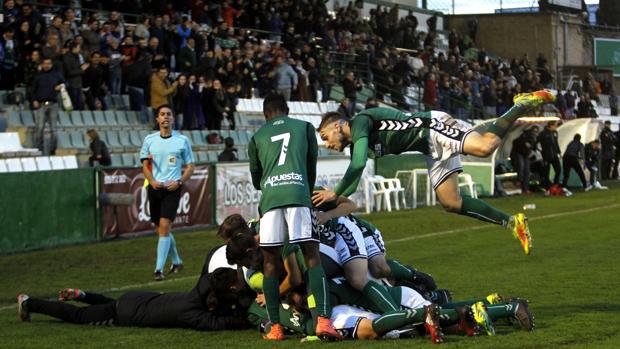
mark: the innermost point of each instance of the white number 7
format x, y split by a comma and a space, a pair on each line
284, 137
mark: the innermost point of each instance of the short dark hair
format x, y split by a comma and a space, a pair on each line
274, 103
95, 53
162, 107
238, 246
233, 225
330, 117
229, 142
577, 137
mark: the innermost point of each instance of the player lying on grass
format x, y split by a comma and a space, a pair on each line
354, 321
383, 131
218, 302
378, 265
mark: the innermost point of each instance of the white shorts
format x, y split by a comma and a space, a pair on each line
349, 241
292, 224
411, 299
346, 319
374, 244
446, 140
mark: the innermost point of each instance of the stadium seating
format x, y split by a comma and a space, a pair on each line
10, 145
3, 167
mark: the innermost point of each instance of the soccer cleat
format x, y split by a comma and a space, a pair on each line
431, 323
521, 231
534, 99
276, 333
482, 318
588, 188
326, 331
598, 185
22, 307
308, 339
175, 268
466, 324
495, 298
68, 294
158, 275
522, 314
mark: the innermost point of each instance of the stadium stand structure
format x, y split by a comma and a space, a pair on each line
123, 133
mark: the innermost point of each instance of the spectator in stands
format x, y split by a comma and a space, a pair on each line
8, 59
286, 78
219, 106
550, 149
214, 138
585, 109
180, 101
44, 98
94, 86
99, 154
74, 66
489, 99
31, 67
350, 86
520, 156
574, 154
161, 89
186, 59
371, 103
137, 78
230, 152
570, 104
430, 97
116, 72
91, 37
608, 141
194, 118
231, 103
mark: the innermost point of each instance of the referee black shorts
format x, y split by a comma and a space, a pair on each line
163, 203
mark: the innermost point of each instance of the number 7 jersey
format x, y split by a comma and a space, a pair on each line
283, 156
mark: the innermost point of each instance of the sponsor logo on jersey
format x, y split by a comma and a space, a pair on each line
284, 179
378, 149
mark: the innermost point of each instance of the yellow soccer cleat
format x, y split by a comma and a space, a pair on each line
482, 318
494, 298
521, 231
534, 99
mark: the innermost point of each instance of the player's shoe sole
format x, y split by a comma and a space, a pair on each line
534, 99
467, 324
522, 314
22, 307
326, 331
276, 333
521, 231
431, 323
482, 318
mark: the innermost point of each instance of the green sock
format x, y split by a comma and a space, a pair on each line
501, 125
448, 316
397, 319
319, 289
453, 305
399, 271
271, 289
477, 208
500, 311
380, 297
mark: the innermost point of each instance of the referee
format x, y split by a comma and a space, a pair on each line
163, 154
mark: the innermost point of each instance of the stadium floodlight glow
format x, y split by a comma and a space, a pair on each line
537, 119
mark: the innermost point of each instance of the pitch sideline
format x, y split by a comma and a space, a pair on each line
423, 236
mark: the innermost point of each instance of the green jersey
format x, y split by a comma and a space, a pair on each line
383, 131
283, 156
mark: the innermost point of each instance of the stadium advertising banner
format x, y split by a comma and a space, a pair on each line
607, 54
236, 194
194, 207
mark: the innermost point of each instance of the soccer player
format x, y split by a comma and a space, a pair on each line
215, 304
163, 155
283, 155
387, 131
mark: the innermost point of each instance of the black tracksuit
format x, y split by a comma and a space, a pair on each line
550, 150
574, 152
150, 309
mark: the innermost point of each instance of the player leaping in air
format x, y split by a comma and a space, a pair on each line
439, 136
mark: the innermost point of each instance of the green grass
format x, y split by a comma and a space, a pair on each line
572, 278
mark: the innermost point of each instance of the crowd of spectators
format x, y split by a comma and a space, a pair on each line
200, 57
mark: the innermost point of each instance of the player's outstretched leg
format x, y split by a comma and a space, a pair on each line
452, 201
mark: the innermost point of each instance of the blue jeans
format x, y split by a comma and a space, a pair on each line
75, 93
115, 84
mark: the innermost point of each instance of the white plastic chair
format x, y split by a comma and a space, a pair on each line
43, 163
465, 180
57, 163
393, 184
29, 165
381, 192
70, 161
14, 165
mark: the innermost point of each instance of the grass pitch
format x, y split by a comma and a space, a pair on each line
572, 278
